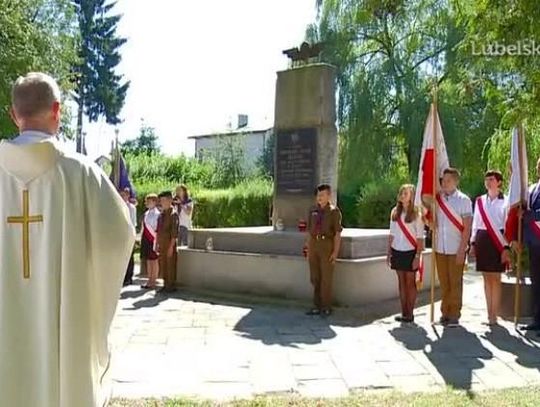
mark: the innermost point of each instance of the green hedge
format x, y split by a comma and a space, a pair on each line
247, 204
375, 202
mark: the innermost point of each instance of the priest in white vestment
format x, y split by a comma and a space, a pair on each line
65, 242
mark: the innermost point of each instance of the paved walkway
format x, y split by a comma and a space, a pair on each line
189, 345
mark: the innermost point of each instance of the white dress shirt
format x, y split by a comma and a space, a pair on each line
400, 241
496, 209
448, 236
184, 219
151, 217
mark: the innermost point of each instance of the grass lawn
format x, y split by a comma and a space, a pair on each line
501, 398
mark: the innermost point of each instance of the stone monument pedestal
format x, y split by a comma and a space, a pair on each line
258, 262
306, 150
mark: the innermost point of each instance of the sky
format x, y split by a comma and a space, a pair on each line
194, 65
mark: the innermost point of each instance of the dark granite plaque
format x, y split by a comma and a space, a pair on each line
295, 161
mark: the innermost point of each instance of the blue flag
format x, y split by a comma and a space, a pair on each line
120, 175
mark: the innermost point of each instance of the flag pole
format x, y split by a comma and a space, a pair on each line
517, 294
434, 206
116, 161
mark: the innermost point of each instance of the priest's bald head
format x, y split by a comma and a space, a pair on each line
35, 100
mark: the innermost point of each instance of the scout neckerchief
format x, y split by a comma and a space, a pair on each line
495, 234
450, 213
414, 244
319, 221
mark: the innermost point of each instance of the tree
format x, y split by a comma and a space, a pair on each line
99, 90
35, 35
265, 162
388, 55
229, 162
145, 144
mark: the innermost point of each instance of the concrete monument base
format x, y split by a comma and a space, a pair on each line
355, 243
356, 281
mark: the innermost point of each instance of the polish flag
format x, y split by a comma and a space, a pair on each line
519, 192
433, 150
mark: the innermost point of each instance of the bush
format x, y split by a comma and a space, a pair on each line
376, 201
247, 204
158, 168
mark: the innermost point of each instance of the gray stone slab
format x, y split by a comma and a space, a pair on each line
275, 349
355, 243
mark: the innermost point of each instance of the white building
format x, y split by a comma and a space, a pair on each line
252, 140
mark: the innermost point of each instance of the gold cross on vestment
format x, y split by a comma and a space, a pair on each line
25, 221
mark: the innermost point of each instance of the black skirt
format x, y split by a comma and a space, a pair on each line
488, 257
402, 261
147, 249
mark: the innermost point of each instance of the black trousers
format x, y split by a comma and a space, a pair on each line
534, 265
128, 279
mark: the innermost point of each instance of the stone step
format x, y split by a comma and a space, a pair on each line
355, 243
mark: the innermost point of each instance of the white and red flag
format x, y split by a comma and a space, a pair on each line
433, 151
519, 193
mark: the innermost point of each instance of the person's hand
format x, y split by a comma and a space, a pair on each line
388, 261
416, 263
460, 257
472, 251
516, 246
305, 251
505, 257
170, 252
333, 258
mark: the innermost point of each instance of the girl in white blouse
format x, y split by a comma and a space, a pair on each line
488, 243
405, 245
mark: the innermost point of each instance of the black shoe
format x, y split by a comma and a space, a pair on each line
531, 327
314, 311
409, 320
399, 318
326, 313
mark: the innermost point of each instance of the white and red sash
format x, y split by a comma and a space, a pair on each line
149, 233
412, 240
451, 214
495, 234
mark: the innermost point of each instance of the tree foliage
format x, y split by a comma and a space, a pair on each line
35, 35
389, 54
146, 142
100, 90
228, 159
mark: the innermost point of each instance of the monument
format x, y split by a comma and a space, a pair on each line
268, 260
306, 151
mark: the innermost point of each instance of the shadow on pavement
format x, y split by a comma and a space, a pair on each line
527, 353
456, 353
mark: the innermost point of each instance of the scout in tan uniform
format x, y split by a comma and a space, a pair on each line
323, 241
167, 232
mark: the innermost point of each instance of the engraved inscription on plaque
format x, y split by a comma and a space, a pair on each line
295, 161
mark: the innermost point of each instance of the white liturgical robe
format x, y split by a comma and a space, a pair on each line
65, 242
